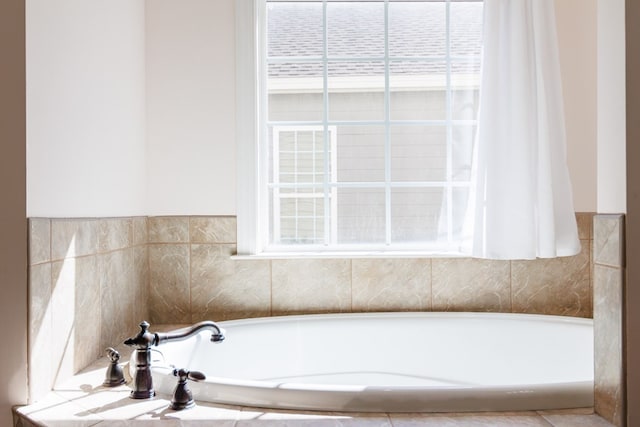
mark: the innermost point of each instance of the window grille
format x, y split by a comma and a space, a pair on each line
368, 122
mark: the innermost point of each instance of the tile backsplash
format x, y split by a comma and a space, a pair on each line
608, 331
88, 285
193, 278
93, 280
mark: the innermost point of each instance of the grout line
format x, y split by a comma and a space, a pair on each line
431, 283
511, 287
270, 287
190, 269
351, 285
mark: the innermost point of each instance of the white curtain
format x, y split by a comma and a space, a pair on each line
522, 194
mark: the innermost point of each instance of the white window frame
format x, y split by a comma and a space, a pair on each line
249, 55
251, 129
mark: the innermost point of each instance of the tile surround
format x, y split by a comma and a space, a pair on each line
179, 270
608, 291
72, 238
40, 330
213, 229
310, 286
169, 290
168, 229
465, 284
608, 238
559, 286
222, 288
87, 284
391, 284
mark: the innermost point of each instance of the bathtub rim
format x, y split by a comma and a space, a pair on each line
346, 398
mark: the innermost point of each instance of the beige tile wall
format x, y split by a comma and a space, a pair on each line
608, 253
193, 278
88, 289
93, 280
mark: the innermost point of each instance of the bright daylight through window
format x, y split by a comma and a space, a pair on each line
369, 120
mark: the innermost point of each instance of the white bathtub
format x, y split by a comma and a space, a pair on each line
391, 362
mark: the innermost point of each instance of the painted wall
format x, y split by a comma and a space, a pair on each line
85, 108
13, 222
577, 37
103, 76
190, 102
191, 107
611, 124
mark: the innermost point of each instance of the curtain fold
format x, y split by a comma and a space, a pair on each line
521, 203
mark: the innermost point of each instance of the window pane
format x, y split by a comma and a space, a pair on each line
360, 152
355, 29
356, 90
294, 29
302, 220
361, 215
462, 155
295, 91
460, 202
418, 153
300, 156
417, 214
417, 29
298, 217
465, 90
466, 28
418, 90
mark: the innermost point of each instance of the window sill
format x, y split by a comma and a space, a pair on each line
348, 255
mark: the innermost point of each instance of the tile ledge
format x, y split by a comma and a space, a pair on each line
84, 401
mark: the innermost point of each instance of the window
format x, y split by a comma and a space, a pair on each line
299, 172
365, 126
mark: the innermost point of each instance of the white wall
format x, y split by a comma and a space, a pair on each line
577, 38
611, 107
190, 73
85, 108
191, 107
87, 90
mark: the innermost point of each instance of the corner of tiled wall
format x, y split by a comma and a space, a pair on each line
193, 277
87, 288
609, 264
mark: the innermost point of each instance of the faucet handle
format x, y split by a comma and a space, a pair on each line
196, 376
114, 376
144, 339
184, 375
182, 396
113, 354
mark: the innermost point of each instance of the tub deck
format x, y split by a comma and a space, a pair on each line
83, 401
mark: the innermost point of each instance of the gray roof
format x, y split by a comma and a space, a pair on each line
415, 29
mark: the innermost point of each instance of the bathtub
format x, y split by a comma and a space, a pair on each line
390, 362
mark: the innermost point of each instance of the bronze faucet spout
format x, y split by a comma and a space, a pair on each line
217, 334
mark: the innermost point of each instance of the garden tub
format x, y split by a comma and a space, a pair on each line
390, 362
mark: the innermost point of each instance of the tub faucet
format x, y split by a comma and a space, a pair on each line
217, 333
142, 381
